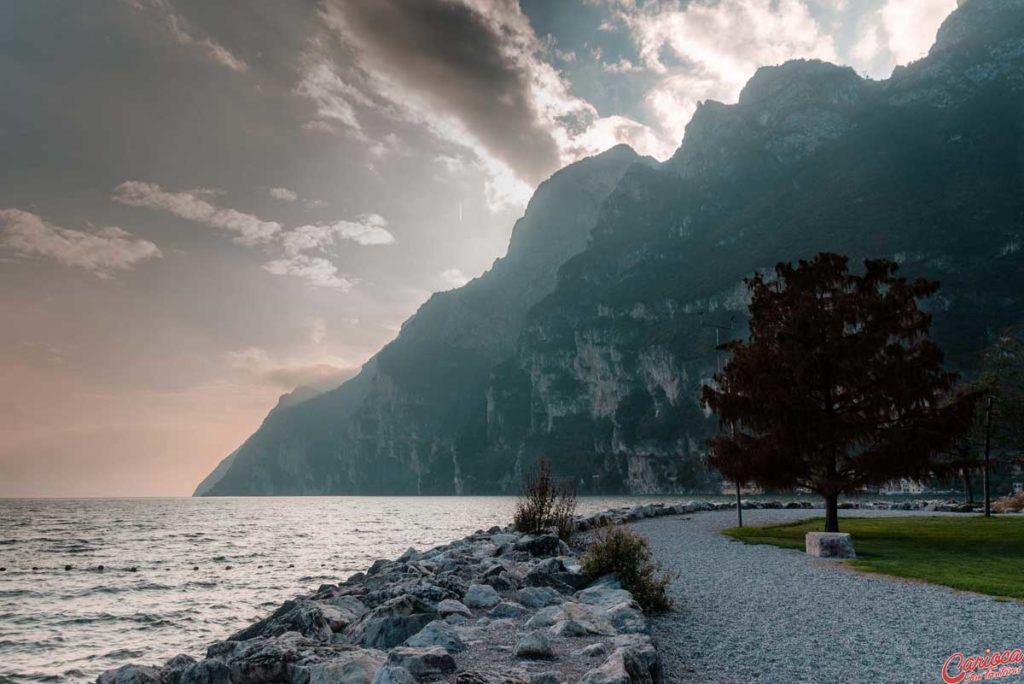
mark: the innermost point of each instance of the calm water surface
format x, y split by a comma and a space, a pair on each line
252, 553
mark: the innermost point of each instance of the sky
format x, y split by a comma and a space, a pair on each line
204, 205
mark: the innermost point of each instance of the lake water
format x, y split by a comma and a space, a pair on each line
250, 553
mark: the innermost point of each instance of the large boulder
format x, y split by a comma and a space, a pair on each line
603, 595
389, 674
626, 617
507, 609
634, 661
481, 596
572, 620
391, 623
304, 617
203, 672
538, 597
452, 607
358, 666
261, 660
422, 662
557, 574
541, 545
341, 611
836, 545
534, 645
437, 633
130, 674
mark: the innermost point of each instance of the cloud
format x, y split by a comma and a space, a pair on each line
316, 270
283, 194
459, 67
708, 50
254, 363
478, 77
332, 96
317, 331
369, 230
454, 277
185, 34
901, 32
192, 207
103, 251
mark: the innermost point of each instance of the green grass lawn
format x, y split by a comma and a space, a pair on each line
967, 552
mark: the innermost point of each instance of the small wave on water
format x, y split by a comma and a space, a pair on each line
166, 587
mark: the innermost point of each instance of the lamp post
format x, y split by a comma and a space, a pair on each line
988, 450
718, 364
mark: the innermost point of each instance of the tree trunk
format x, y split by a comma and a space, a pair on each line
831, 513
968, 492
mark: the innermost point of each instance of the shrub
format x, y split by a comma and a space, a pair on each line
1009, 504
617, 551
545, 504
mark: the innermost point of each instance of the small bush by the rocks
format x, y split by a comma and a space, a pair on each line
1009, 504
545, 504
625, 554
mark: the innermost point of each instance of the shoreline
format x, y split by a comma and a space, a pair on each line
494, 606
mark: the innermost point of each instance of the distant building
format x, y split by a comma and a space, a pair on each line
904, 486
729, 488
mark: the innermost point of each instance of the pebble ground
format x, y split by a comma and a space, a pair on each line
750, 613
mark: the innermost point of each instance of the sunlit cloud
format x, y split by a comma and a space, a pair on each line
497, 95
332, 96
283, 194
255, 364
317, 271
102, 251
454, 277
709, 50
369, 230
192, 207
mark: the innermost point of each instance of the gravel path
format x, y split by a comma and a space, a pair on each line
746, 613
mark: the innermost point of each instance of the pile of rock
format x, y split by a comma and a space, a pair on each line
497, 606
939, 506
619, 516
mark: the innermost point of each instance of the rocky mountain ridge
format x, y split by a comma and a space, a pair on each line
586, 344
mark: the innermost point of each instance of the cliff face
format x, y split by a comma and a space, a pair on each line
396, 427
598, 367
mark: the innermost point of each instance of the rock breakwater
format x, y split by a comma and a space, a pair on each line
495, 607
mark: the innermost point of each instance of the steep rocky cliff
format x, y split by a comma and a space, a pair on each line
597, 369
396, 427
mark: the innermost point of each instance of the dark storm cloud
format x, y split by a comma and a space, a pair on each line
463, 63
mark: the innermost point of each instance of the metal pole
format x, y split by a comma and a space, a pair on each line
718, 352
739, 501
739, 505
718, 365
988, 449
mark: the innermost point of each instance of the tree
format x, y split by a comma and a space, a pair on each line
1002, 376
838, 385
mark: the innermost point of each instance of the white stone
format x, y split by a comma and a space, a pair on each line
830, 545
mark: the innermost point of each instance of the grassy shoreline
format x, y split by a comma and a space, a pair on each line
970, 553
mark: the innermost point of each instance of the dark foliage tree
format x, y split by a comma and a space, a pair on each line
1002, 376
838, 385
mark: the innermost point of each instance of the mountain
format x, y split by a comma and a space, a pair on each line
587, 342
395, 428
